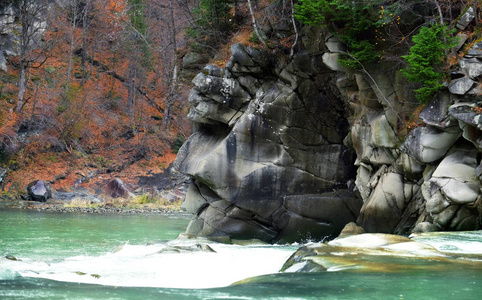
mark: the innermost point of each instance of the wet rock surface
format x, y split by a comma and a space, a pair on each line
429, 182
291, 150
377, 252
268, 144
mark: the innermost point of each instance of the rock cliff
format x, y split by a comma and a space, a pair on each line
292, 149
14, 36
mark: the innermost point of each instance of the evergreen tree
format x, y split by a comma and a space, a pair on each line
425, 59
352, 21
212, 21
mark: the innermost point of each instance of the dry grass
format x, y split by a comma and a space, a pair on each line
81, 203
138, 202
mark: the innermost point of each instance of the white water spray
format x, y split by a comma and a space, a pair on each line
174, 264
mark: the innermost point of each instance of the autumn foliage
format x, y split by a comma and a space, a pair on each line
95, 102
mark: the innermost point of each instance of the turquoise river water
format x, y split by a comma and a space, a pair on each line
87, 256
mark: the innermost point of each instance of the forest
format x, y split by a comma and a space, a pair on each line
100, 87
90, 86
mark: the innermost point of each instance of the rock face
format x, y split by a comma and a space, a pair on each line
431, 180
279, 147
35, 14
267, 157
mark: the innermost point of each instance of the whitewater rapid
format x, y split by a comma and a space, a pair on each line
172, 264
188, 263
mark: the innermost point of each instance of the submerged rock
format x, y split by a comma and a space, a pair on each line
425, 227
351, 229
185, 249
371, 252
11, 257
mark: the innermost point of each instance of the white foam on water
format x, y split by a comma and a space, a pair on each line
469, 242
161, 265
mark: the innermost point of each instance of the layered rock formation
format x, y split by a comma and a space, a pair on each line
432, 182
267, 157
279, 147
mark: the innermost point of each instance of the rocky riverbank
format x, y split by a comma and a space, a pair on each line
96, 208
161, 193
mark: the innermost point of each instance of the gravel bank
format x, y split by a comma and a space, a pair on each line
61, 208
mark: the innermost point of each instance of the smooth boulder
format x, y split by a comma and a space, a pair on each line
38, 190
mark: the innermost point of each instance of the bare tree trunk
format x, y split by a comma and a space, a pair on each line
439, 12
173, 27
22, 85
84, 40
236, 9
131, 87
292, 51
173, 73
30, 12
72, 40
171, 97
476, 14
113, 68
35, 100
25, 40
255, 26
216, 21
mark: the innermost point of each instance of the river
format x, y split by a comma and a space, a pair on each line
89, 256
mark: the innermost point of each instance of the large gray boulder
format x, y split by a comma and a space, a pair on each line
263, 156
382, 212
435, 112
466, 18
331, 61
38, 190
193, 59
116, 188
429, 144
475, 51
456, 177
470, 121
453, 190
461, 86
